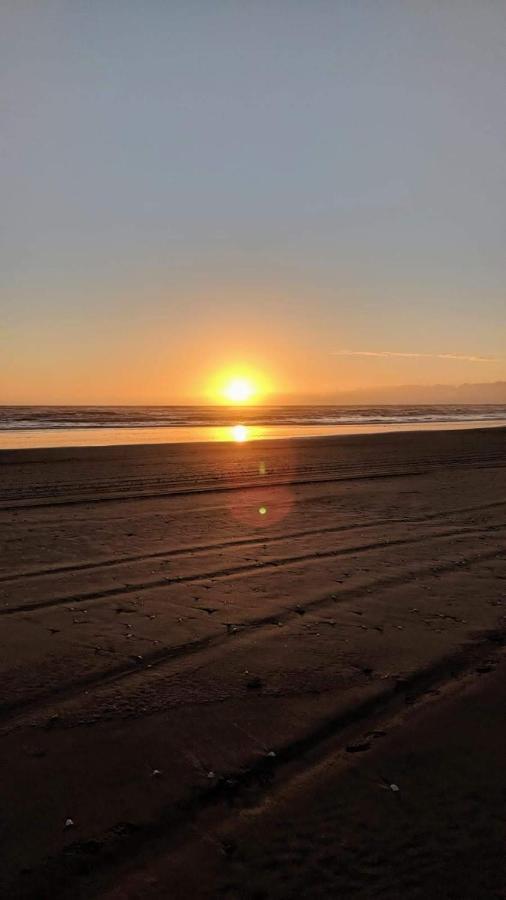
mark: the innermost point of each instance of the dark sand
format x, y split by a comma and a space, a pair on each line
216, 659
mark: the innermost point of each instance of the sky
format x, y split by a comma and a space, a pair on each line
314, 191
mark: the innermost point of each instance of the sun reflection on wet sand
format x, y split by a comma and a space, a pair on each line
239, 433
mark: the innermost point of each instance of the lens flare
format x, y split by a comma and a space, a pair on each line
262, 507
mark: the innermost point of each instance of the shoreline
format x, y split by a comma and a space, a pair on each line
73, 438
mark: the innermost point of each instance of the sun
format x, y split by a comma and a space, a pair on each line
239, 385
239, 390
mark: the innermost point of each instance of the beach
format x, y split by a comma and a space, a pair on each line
254, 669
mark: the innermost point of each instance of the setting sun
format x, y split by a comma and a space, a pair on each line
239, 390
238, 386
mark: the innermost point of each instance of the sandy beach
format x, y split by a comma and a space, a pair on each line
260, 670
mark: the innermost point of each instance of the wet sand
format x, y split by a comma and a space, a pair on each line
45, 438
218, 658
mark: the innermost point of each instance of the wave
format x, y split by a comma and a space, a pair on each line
38, 418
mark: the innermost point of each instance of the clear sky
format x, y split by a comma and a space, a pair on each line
302, 187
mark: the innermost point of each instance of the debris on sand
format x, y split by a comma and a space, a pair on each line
358, 747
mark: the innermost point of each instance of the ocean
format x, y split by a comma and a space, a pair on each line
61, 426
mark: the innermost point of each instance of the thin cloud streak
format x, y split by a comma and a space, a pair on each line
388, 354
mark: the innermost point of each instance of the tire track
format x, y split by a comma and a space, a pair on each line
157, 658
233, 571
208, 489
181, 552
232, 789
217, 477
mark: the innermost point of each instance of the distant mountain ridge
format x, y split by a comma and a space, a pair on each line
484, 392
